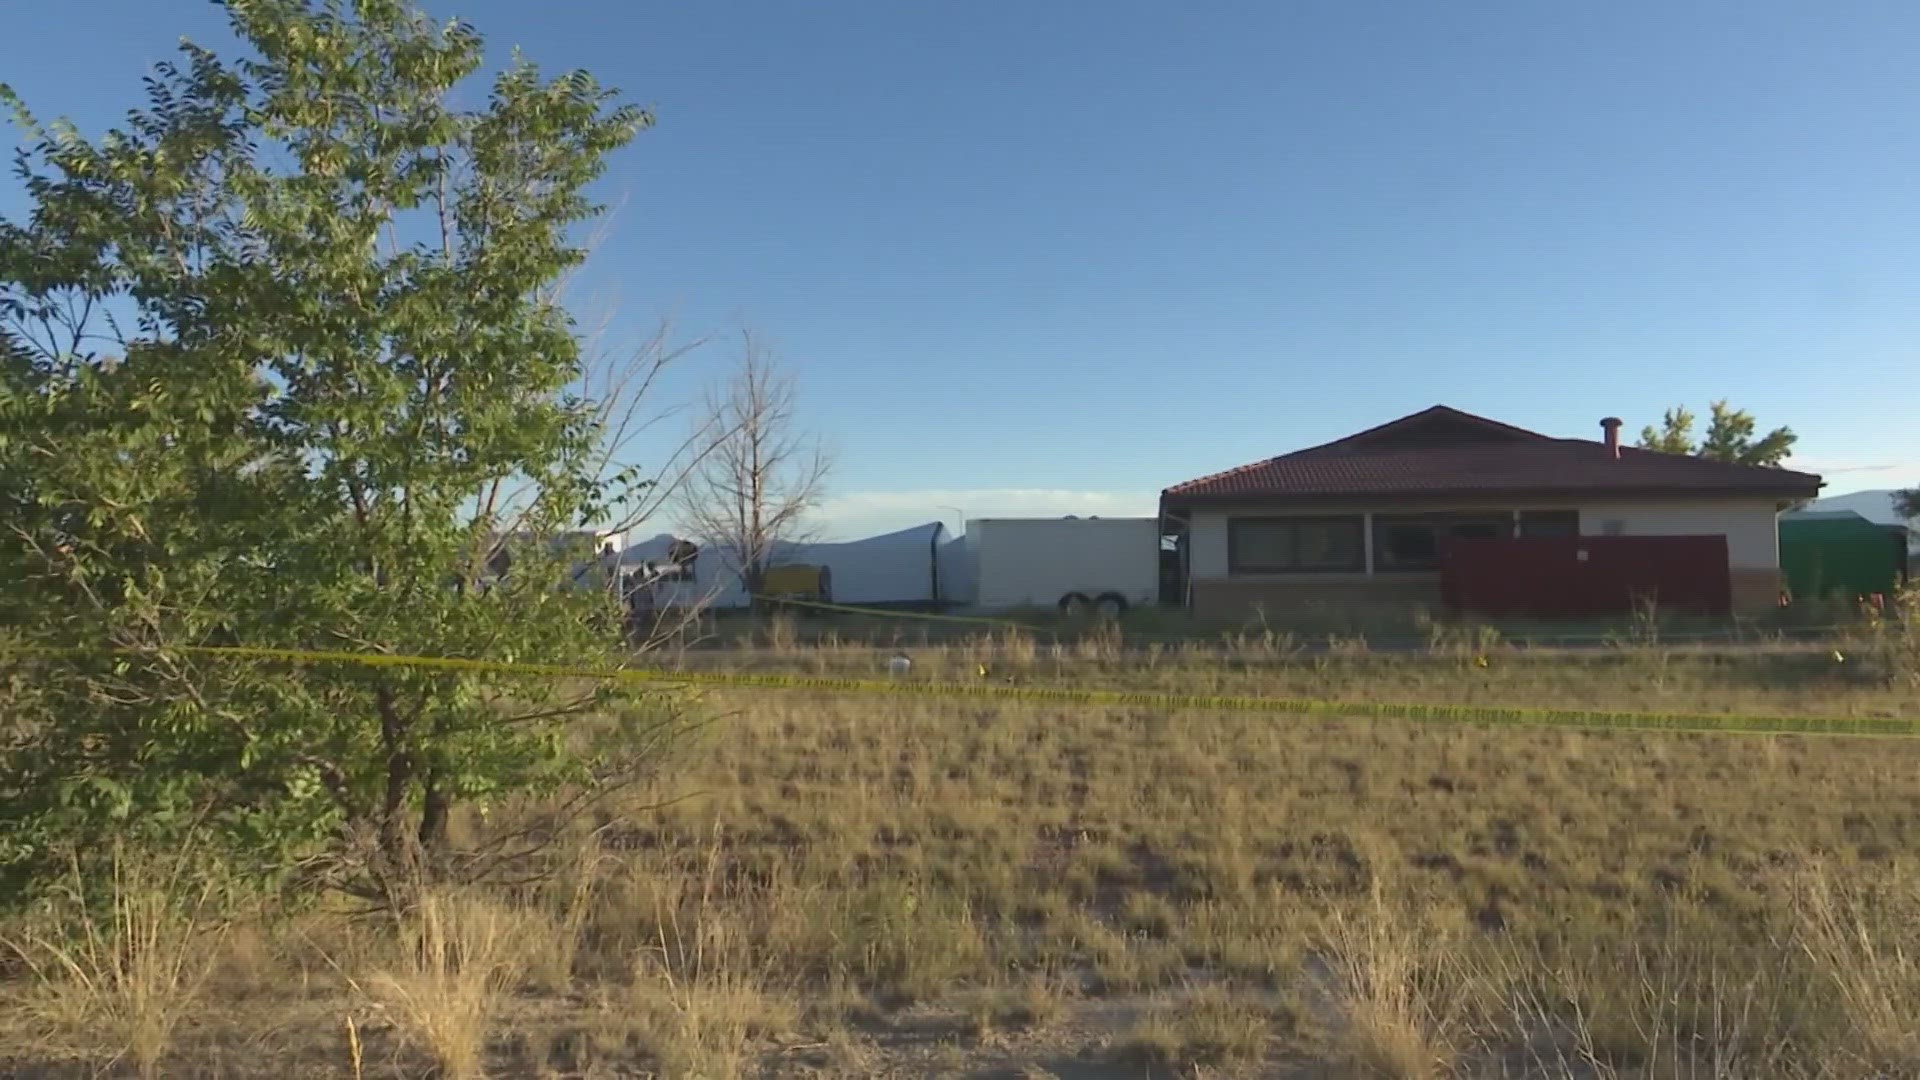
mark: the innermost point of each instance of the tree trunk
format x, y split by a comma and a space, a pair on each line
433, 815
396, 844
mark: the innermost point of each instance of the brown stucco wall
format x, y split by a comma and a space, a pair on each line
1755, 591
1229, 601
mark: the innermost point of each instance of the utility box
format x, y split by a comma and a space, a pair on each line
1078, 565
813, 584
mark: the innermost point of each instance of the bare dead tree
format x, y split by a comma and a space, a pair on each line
759, 473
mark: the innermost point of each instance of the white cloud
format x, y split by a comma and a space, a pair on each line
1850, 465
1844, 475
865, 513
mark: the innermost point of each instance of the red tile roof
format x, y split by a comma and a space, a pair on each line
1442, 452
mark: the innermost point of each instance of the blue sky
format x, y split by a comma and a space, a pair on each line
1049, 257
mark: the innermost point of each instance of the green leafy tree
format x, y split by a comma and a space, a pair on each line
1730, 437
1907, 503
1673, 436
283, 364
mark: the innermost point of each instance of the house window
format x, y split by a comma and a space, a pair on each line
1415, 541
1284, 545
1549, 523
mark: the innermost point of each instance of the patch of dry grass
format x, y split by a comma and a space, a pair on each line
457, 957
557, 914
1204, 1029
1448, 665
1859, 937
703, 995
851, 886
1010, 1009
1396, 1012
116, 969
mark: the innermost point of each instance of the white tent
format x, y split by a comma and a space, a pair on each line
892, 568
901, 567
708, 588
958, 571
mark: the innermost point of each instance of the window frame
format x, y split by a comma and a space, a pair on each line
1442, 523
1236, 566
1559, 524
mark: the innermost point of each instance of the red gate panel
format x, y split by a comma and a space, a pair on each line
1571, 577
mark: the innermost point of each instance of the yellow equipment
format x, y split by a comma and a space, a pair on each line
797, 582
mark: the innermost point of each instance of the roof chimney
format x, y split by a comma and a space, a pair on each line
1611, 427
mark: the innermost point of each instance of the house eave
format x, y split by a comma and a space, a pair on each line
1173, 500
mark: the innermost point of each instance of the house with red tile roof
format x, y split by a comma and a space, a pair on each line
1368, 519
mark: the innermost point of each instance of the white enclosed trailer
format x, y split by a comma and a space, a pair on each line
1075, 564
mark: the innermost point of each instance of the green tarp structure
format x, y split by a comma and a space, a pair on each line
1839, 554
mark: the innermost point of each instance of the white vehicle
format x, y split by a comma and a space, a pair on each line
1105, 565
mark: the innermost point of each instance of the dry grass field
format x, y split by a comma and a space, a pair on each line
838, 886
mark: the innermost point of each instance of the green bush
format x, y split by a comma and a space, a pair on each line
335, 387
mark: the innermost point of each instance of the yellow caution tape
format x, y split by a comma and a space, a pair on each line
1728, 723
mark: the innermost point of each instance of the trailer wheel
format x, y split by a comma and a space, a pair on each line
1074, 604
1110, 605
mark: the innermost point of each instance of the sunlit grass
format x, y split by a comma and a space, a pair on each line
861, 885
